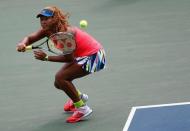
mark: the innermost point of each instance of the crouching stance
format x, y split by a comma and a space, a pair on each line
87, 56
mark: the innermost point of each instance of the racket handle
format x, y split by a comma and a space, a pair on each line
28, 47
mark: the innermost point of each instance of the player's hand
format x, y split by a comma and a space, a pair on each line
40, 55
21, 48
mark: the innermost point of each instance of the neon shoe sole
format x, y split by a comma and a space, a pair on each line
79, 117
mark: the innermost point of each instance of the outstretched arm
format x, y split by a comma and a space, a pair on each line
30, 39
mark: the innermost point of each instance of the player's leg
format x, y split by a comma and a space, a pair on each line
63, 80
64, 77
69, 106
64, 67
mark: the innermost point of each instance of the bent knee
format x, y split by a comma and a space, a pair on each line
56, 85
62, 77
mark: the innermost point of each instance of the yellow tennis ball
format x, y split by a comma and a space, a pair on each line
83, 24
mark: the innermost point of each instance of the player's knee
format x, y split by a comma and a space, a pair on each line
56, 85
60, 80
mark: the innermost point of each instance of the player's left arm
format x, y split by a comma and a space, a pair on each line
40, 55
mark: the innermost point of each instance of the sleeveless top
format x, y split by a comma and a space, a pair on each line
85, 44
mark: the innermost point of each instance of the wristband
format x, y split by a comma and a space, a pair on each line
46, 58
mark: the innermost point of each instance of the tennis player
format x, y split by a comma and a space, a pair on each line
88, 57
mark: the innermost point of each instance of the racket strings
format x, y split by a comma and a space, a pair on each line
62, 43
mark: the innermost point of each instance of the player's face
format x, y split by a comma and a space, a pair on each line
47, 23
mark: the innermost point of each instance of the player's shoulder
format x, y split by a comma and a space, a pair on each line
72, 30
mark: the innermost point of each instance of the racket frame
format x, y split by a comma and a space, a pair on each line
31, 47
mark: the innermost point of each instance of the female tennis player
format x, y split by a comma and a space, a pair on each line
86, 58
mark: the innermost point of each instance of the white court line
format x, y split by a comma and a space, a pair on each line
129, 119
133, 110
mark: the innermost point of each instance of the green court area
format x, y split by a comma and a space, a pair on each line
147, 45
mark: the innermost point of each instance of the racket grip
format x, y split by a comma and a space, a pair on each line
28, 47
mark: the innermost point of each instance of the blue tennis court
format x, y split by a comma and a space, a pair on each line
166, 117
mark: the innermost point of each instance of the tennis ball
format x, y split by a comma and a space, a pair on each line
83, 24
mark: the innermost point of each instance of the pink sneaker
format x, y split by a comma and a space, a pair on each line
80, 114
69, 106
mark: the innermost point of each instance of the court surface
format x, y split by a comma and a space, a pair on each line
166, 117
147, 45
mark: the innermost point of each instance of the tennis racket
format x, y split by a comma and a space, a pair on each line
60, 43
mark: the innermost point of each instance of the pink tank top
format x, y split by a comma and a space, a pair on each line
85, 44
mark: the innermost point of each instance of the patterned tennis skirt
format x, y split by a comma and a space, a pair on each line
93, 63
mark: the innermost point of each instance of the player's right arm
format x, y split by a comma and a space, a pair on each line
28, 40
